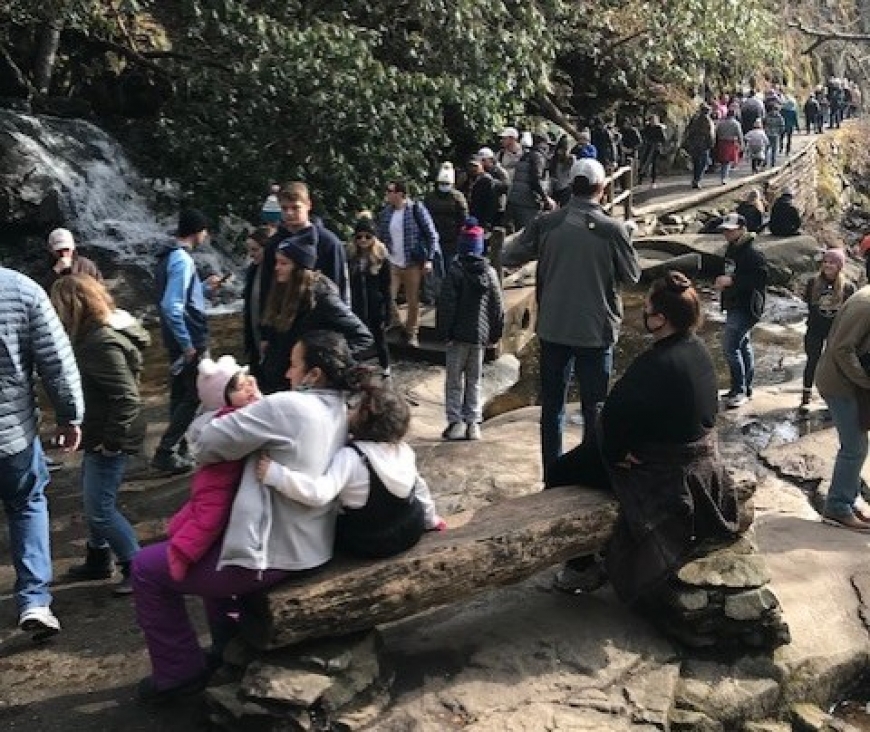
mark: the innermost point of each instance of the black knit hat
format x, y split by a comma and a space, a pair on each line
300, 248
190, 221
364, 225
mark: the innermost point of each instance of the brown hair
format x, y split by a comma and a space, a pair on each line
674, 297
295, 191
260, 235
287, 299
81, 302
376, 258
383, 415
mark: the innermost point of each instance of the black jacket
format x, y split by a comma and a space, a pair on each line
754, 217
749, 273
110, 364
785, 219
484, 200
329, 312
470, 307
370, 292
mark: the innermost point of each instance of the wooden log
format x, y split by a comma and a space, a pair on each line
496, 545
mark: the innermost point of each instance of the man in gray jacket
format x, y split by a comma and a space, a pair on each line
31, 337
584, 256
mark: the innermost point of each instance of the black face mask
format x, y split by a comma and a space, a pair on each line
646, 325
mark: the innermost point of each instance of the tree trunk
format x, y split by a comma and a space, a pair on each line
497, 545
43, 66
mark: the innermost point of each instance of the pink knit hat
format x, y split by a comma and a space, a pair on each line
213, 378
835, 256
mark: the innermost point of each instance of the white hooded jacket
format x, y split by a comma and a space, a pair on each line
348, 478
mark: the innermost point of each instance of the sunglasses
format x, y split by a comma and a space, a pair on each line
364, 236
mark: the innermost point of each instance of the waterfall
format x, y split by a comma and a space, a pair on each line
103, 199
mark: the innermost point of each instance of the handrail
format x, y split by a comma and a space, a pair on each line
624, 176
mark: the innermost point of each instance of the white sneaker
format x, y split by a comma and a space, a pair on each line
40, 622
738, 400
454, 431
472, 432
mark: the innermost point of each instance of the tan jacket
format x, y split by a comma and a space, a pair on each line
840, 372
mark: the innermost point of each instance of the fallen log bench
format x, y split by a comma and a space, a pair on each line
496, 545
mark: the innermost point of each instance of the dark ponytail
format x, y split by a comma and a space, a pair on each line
328, 351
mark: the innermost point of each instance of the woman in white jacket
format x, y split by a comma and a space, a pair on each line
268, 537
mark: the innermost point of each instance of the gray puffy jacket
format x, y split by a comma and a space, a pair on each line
31, 337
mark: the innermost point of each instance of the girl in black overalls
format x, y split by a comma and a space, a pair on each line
384, 504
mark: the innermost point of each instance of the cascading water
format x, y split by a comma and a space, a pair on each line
101, 197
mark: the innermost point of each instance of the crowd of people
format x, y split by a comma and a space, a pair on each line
302, 451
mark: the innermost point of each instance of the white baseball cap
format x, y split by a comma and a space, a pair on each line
61, 239
486, 153
731, 221
510, 132
590, 169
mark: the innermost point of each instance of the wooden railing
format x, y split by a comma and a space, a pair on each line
618, 191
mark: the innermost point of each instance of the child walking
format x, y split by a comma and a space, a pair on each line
470, 316
369, 273
756, 145
385, 506
223, 387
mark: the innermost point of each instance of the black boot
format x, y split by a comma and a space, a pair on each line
97, 565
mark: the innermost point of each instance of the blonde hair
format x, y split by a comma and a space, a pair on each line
376, 256
287, 299
81, 303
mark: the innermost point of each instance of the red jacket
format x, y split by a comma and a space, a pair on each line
202, 520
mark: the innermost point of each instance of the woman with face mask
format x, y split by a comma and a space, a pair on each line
656, 449
268, 537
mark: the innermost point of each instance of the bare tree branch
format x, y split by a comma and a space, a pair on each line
824, 36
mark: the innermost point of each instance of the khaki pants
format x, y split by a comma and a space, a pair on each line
409, 279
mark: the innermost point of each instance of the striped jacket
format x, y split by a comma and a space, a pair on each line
31, 337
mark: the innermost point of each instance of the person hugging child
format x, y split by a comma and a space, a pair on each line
385, 505
470, 317
369, 274
223, 387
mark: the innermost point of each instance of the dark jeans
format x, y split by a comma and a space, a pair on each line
785, 142
737, 348
592, 367
183, 403
379, 334
814, 343
649, 164
699, 166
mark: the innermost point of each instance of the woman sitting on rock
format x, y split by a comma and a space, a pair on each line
752, 209
269, 537
657, 451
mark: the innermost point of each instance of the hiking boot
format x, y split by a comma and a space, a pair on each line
168, 462
148, 693
40, 622
413, 341
738, 400
125, 585
472, 431
454, 431
862, 513
848, 521
97, 565
806, 398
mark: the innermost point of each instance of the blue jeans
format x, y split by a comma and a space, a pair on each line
101, 478
699, 166
462, 383
773, 150
737, 349
846, 479
592, 367
23, 478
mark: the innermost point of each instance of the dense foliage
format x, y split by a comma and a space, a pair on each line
229, 95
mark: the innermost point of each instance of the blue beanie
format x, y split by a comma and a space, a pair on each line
471, 237
300, 248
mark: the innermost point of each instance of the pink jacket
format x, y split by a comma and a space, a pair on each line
202, 520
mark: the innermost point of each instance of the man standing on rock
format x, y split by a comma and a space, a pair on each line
843, 379
742, 286
584, 256
31, 337
181, 306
